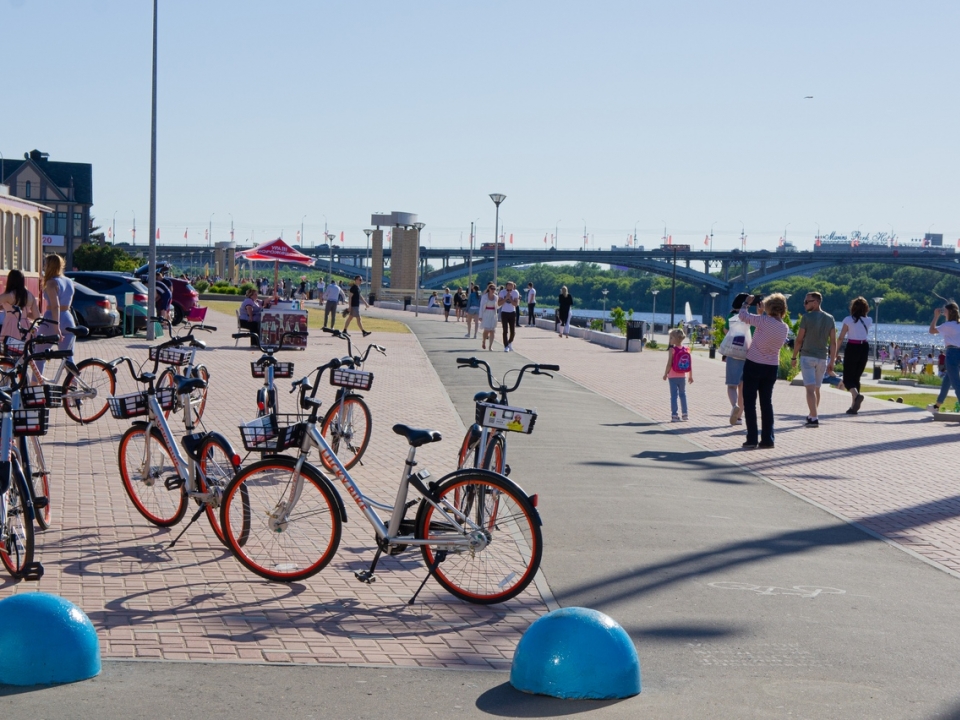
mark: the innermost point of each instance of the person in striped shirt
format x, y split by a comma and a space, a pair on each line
762, 364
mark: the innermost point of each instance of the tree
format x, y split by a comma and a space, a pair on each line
90, 256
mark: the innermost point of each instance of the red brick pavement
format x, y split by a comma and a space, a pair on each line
196, 602
886, 469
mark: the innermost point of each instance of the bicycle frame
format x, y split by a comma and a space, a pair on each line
187, 468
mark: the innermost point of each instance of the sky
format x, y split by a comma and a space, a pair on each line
676, 117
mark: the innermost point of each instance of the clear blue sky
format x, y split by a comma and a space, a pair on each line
614, 113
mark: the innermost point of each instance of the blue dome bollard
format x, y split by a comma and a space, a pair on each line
576, 653
45, 639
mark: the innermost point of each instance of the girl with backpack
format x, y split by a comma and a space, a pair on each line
679, 367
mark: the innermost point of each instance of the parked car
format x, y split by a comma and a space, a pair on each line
118, 285
96, 310
185, 296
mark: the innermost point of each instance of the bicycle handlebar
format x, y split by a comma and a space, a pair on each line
359, 359
534, 368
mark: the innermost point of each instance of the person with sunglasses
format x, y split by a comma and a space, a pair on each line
816, 344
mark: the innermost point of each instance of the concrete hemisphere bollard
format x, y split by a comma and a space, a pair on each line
576, 653
46, 639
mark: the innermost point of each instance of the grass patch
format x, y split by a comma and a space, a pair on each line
922, 379
315, 318
919, 400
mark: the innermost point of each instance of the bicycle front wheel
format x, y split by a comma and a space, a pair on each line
16, 545
145, 481
504, 532
292, 519
217, 469
347, 430
495, 453
85, 395
38, 476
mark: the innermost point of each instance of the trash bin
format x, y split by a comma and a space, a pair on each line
407, 301
713, 352
634, 332
876, 372
373, 298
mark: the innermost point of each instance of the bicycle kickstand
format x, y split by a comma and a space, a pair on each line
196, 516
437, 559
368, 576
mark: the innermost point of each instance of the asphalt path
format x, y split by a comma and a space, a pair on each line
743, 600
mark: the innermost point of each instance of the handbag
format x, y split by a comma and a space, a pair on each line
736, 343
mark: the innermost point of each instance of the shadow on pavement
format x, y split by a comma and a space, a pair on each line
506, 701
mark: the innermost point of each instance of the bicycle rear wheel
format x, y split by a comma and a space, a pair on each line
85, 395
38, 476
347, 430
217, 469
16, 543
146, 485
286, 540
504, 528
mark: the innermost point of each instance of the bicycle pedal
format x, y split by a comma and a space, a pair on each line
506, 470
41, 501
175, 482
365, 576
32, 571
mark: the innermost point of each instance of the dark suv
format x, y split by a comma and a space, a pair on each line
185, 296
118, 285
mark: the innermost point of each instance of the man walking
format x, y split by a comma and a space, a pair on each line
531, 304
816, 337
331, 297
509, 301
356, 297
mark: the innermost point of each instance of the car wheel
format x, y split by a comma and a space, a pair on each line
177, 314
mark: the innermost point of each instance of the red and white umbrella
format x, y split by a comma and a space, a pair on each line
278, 251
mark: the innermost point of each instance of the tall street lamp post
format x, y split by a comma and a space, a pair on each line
713, 338
368, 232
416, 301
673, 288
653, 323
497, 199
604, 293
876, 347
152, 255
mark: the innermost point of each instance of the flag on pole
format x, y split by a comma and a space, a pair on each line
231, 233
669, 239
706, 240
511, 238
958, 243
158, 233
133, 234
341, 237
206, 234
818, 241
544, 238
389, 236
298, 237
780, 244
185, 233
109, 233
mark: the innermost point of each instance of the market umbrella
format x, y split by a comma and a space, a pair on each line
278, 251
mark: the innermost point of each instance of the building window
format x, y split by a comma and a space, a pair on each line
28, 189
61, 224
49, 224
77, 225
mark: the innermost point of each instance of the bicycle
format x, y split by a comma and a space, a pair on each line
17, 509
478, 532
347, 424
82, 383
158, 479
180, 351
269, 368
485, 438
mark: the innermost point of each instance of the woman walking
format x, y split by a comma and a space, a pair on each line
761, 367
473, 310
57, 318
488, 316
16, 294
564, 311
950, 332
856, 329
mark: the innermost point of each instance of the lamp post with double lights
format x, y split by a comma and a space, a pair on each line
368, 232
416, 300
604, 293
497, 199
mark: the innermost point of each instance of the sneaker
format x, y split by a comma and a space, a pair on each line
812, 422
766, 446
857, 402
735, 414
507, 349
749, 445
674, 418
685, 417
367, 332
510, 347
467, 335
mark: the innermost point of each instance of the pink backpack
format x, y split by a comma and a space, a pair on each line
681, 359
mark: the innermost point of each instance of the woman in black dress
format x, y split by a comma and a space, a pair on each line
564, 313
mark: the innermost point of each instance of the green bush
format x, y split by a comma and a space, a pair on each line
91, 256
201, 285
619, 319
652, 345
596, 324
921, 379
788, 371
244, 287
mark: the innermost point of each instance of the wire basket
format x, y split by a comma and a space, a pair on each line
31, 421
37, 396
280, 369
356, 379
13, 347
504, 417
171, 355
272, 433
125, 407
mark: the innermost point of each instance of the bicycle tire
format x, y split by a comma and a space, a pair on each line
198, 398
267, 402
166, 379
512, 542
493, 456
278, 547
97, 375
17, 541
217, 469
150, 496
342, 426
38, 477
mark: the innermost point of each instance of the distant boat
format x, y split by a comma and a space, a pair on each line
688, 314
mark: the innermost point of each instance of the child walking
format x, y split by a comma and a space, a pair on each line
679, 367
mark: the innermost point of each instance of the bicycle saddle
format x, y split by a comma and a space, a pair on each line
417, 437
187, 385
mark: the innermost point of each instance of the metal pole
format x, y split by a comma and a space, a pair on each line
653, 324
496, 245
416, 292
368, 274
210, 231
152, 278
673, 289
470, 261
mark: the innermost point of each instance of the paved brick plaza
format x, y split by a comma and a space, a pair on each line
197, 603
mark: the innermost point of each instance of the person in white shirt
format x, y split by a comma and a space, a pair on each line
320, 288
509, 302
856, 329
331, 296
950, 332
531, 304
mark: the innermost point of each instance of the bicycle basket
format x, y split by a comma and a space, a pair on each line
272, 433
504, 417
280, 370
32, 421
356, 379
36, 396
171, 355
13, 347
125, 407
